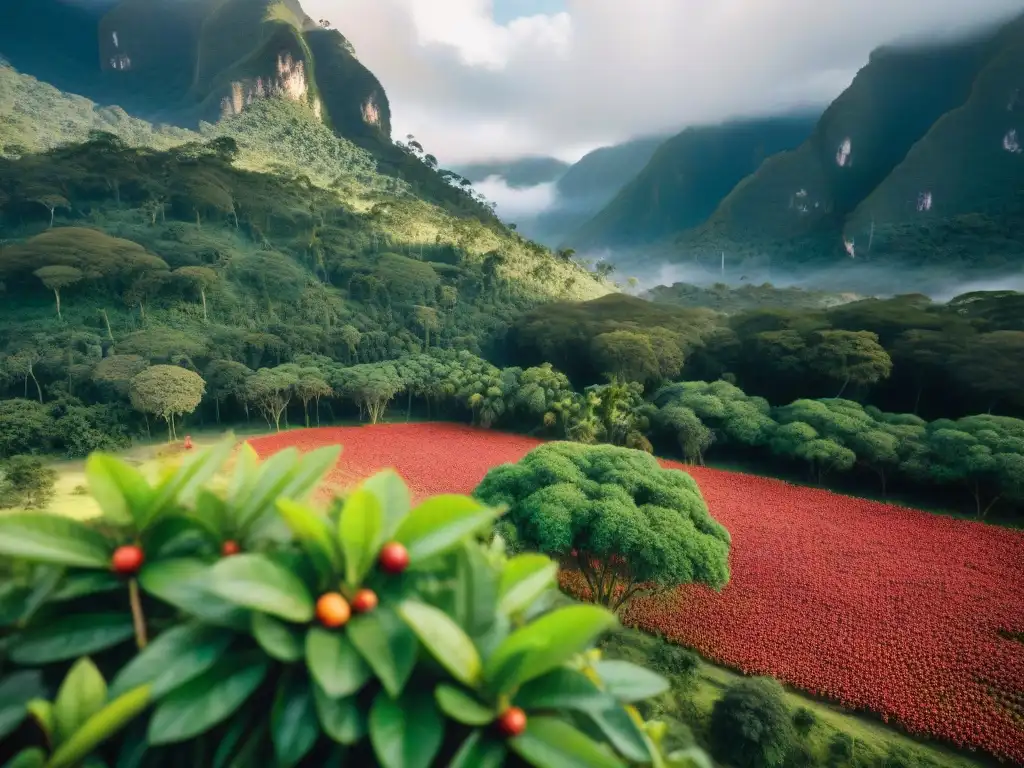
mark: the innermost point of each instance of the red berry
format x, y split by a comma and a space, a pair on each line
230, 548
364, 601
512, 722
394, 558
127, 560
333, 610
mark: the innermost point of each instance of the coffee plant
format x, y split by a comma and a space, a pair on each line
216, 618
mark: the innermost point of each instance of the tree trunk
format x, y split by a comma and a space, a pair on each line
305, 411
216, 402
202, 293
170, 429
843, 388
36, 381
106, 321
51, 216
56, 293
408, 408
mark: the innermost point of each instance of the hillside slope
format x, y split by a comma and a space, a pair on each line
907, 110
686, 179
589, 185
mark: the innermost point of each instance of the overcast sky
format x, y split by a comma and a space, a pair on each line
479, 79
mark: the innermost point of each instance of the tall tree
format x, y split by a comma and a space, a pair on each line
167, 391
627, 525
57, 277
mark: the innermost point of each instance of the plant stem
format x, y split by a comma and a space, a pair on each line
138, 619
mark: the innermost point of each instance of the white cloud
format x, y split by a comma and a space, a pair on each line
514, 203
470, 88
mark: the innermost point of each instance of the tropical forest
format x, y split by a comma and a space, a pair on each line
315, 450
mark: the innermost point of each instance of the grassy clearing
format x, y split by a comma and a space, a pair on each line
692, 698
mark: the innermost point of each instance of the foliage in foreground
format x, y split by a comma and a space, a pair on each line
375, 632
629, 526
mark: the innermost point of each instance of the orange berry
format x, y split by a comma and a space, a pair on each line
127, 560
512, 722
333, 610
230, 548
364, 601
394, 558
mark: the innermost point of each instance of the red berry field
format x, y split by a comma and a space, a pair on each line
902, 613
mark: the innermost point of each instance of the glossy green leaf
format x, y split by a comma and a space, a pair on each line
444, 639
257, 582
254, 749
75, 585
82, 694
551, 640
314, 532
173, 658
524, 579
70, 637
253, 498
334, 662
478, 751
406, 732
388, 646
624, 733
181, 487
45, 581
241, 724
441, 522
562, 688
16, 691
360, 532
281, 641
183, 582
134, 747
691, 757
33, 757
393, 496
41, 711
120, 490
475, 592
549, 742
100, 727
341, 718
45, 538
630, 682
207, 700
310, 472
462, 707
176, 536
212, 512
293, 722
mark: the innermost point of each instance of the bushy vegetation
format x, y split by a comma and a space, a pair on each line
750, 725
906, 353
627, 525
215, 626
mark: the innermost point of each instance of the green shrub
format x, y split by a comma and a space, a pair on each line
803, 720
205, 627
840, 748
750, 725
675, 660
800, 755
26, 481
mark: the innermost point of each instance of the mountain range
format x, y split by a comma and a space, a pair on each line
918, 162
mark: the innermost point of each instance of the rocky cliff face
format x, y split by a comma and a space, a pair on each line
918, 160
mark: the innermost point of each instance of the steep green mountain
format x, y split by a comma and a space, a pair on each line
686, 179
518, 174
916, 161
286, 228
588, 186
